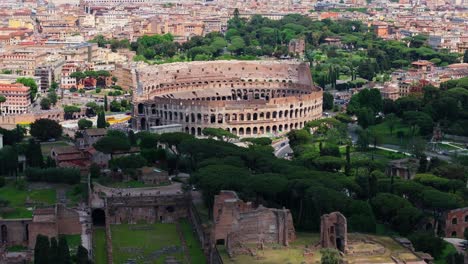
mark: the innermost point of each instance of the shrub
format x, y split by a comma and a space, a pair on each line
55, 175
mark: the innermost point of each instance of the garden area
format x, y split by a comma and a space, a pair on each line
18, 199
99, 245
154, 243
279, 254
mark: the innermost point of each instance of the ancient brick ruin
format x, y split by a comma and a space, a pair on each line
334, 231
247, 98
50, 222
237, 222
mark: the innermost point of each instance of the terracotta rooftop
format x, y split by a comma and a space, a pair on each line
14, 87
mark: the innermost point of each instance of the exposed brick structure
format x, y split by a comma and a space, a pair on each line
456, 222
14, 231
45, 221
149, 209
247, 98
334, 231
237, 222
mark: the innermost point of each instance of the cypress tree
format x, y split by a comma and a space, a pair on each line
63, 251
34, 154
101, 120
53, 251
348, 160
105, 103
132, 138
82, 255
41, 250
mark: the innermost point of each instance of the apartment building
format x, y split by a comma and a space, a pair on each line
18, 99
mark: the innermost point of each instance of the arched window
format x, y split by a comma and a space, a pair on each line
454, 221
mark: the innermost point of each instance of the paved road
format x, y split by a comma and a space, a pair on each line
282, 148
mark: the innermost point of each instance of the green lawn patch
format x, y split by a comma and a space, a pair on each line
385, 137
18, 199
73, 241
17, 248
193, 245
99, 246
145, 243
76, 194
449, 249
46, 196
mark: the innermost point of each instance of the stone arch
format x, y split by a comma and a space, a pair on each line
280, 128
140, 108
234, 131
262, 130
274, 129
453, 234
268, 130
248, 131
99, 217
192, 131
241, 131
199, 131
143, 123
255, 116
255, 131
212, 119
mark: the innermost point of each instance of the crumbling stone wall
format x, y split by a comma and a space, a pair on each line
68, 221
14, 231
334, 231
150, 209
237, 222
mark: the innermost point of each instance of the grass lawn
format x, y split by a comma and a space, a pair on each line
99, 246
144, 242
386, 137
73, 242
17, 248
18, 198
193, 245
273, 254
47, 146
76, 194
449, 249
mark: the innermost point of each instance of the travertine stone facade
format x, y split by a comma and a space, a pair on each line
237, 222
247, 98
334, 231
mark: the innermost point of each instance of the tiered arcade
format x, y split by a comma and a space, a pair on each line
247, 98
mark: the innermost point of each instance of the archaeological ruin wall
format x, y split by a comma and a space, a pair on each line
237, 223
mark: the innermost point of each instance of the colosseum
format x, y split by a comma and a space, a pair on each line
246, 98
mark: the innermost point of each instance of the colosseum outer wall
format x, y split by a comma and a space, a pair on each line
247, 98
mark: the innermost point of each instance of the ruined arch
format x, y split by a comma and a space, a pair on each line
99, 217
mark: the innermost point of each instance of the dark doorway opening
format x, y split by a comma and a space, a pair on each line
99, 217
4, 232
339, 244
